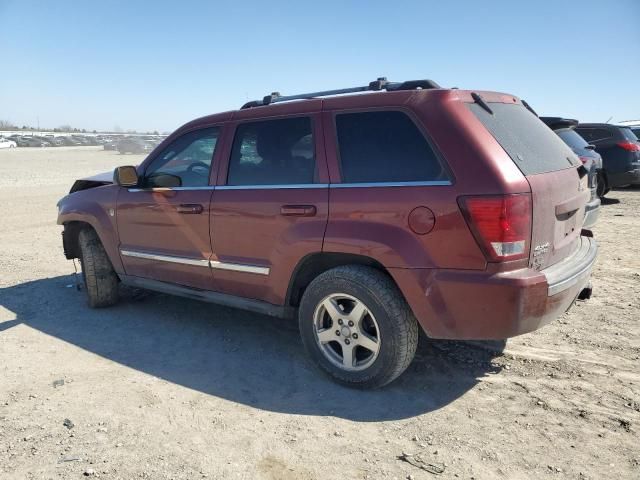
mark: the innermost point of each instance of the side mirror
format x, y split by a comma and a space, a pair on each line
125, 176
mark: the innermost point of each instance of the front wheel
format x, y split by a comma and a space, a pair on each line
100, 279
357, 327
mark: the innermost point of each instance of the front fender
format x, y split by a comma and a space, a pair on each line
97, 207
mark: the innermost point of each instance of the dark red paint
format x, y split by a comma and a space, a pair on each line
418, 234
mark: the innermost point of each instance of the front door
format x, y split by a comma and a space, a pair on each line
270, 210
163, 224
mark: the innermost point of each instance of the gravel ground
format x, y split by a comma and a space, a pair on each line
160, 387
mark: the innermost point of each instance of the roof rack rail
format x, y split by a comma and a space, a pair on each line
379, 84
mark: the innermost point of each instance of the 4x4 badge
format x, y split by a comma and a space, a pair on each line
541, 249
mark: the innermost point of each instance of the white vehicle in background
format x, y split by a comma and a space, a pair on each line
6, 143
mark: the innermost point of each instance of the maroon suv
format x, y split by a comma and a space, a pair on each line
364, 215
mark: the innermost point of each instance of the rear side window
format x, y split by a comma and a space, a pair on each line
384, 146
572, 138
273, 152
629, 135
529, 142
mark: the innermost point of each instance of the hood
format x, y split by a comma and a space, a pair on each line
104, 177
93, 181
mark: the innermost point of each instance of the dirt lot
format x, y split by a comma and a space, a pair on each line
160, 387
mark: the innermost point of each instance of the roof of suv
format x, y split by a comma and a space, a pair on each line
602, 125
556, 123
372, 95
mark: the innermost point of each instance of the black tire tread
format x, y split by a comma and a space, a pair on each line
100, 279
383, 289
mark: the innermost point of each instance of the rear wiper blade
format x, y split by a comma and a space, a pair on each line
480, 101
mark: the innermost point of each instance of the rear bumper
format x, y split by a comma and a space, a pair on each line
459, 304
591, 213
631, 177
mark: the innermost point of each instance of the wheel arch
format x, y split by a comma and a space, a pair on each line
70, 237
314, 264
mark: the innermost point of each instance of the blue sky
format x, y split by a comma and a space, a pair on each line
155, 65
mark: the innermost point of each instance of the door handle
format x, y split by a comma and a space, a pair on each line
298, 210
187, 208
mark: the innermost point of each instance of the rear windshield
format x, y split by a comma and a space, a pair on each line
572, 138
629, 135
533, 146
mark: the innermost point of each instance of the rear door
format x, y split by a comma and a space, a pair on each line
270, 207
558, 181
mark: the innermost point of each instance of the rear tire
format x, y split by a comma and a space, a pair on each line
357, 327
601, 188
100, 279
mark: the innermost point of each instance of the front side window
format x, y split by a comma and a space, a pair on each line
186, 162
384, 146
273, 152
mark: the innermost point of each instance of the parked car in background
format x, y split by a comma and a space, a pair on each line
591, 160
81, 140
110, 145
47, 141
365, 215
68, 141
620, 153
6, 143
25, 141
133, 145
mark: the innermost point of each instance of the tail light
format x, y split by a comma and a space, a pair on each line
501, 224
630, 146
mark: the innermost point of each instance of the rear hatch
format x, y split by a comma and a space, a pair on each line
558, 181
631, 144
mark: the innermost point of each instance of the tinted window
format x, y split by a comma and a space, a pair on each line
594, 134
600, 134
586, 133
273, 152
572, 138
636, 132
629, 135
187, 159
384, 147
529, 142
